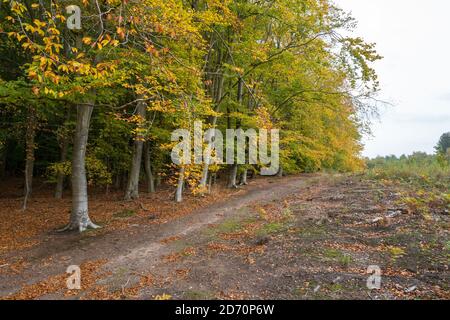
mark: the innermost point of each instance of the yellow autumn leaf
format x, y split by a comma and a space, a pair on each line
87, 40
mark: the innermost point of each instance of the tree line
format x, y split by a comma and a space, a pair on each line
96, 106
430, 171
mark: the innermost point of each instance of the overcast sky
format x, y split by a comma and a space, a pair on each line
414, 38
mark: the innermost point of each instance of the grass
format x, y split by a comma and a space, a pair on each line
124, 214
338, 256
410, 237
227, 226
271, 228
230, 225
313, 232
337, 287
447, 246
396, 252
197, 295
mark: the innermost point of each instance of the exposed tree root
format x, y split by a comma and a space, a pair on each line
80, 222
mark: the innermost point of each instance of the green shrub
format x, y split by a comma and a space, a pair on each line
427, 171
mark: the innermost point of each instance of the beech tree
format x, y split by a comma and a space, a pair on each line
109, 89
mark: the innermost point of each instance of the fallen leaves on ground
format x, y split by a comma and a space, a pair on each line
21, 230
56, 283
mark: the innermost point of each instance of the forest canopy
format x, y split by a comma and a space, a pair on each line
96, 106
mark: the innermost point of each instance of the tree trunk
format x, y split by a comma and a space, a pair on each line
63, 157
117, 181
29, 161
79, 218
124, 180
60, 179
232, 177
212, 181
158, 181
4, 154
132, 191
210, 178
280, 172
216, 93
179, 191
234, 168
148, 169
243, 181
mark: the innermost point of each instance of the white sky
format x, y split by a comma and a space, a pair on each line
414, 39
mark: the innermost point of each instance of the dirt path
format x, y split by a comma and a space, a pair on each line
136, 248
304, 237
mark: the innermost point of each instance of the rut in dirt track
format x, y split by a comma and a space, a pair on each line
152, 246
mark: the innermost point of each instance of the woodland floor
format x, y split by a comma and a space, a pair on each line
301, 237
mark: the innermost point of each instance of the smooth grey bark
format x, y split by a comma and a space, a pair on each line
243, 181
232, 176
148, 169
132, 191
29, 161
180, 185
79, 218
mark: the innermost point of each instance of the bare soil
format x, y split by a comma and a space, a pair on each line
302, 237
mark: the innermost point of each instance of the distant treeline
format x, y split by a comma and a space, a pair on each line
428, 169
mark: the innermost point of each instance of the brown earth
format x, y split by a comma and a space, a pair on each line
302, 237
